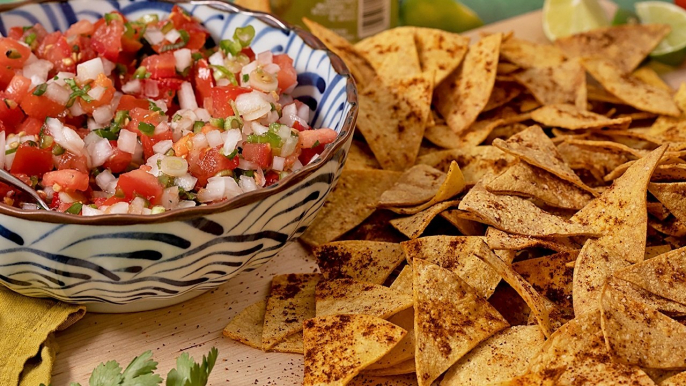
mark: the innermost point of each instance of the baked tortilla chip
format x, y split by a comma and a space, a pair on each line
672, 196
452, 185
246, 327
392, 53
572, 118
414, 226
534, 147
450, 319
416, 186
338, 347
626, 46
561, 83
516, 215
403, 282
466, 227
551, 277
369, 261
464, 94
475, 162
662, 275
404, 350
347, 296
503, 356
440, 52
360, 156
649, 76
657, 250
444, 136
639, 335
632, 291
290, 302
597, 163
393, 116
458, 255
526, 54
392, 380
503, 92
353, 200
255, 5
406, 367
497, 239
362, 71
631, 90
522, 179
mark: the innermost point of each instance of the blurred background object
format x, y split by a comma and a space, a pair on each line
255, 5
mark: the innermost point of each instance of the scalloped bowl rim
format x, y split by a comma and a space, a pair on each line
344, 135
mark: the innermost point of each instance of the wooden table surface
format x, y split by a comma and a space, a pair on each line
195, 326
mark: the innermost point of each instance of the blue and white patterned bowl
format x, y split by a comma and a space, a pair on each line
123, 263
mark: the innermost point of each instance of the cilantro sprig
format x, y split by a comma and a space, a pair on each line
77, 92
141, 372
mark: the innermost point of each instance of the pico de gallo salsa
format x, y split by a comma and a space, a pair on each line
149, 115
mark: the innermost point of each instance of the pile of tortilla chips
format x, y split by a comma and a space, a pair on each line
510, 214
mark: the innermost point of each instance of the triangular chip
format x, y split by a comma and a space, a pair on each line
444, 136
572, 118
497, 239
361, 260
673, 196
522, 179
503, 92
526, 54
290, 302
403, 282
609, 147
561, 83
517, 215
414, 226
404, 350
632, 291
465, 226
551, 277
631, 90
376, 227
352, 201
657, 250
647, 75
393, 116
503, 356
534, 147
392, 53
416, 186
464, 94
637, 334
675, 380
394, 380
597, 163
450, 319
662, 275
362, 71
626, 45
406, 367
338, 347
452, 185
475, 162
360, 156
460, 256
440, 52
347, 296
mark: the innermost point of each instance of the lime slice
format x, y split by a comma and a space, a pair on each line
567, 17
449, 15
624, 16
672, 49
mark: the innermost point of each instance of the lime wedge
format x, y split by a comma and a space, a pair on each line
672, 49
450, 15
624, 16
567, 17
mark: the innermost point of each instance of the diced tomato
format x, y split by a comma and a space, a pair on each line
37, 33
680, 3
67, 179
221, 98
19, 86
164, 88
287, 75
139, 115
31, 160
40, 107
102, 201
259, 153
298, 126
69, 160
6, 75
128, 102
207, 162
81, 27
247, 51
203, 81
140, 183
11, 116
160, 66
196, 32
31, 126
106, 39
55, 49
308, 153
131, 39
271, 177
106, 98
119, 160
55, 202
7, 191
14, 54
149, 141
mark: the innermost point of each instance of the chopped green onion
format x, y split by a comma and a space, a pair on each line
34, 181
129, 31
121, 116
176, 118
222, 72
149, 18
224, 173
26, 28
75, 208
246, 78
40, 89
146, 128
185, 37
170, 152
107, 134
197, 126
315, 144
244, 35
230, 46
168, 26
75, 48
157, 209
273, 139
233, 122
186, 195
196, 56
56, 150
30, 39
112, 16
46, 141
249, 173
77, 92
165, 180
11, 151
13, 54
233, 154
153, 107
274, 127
141, 73
217, 122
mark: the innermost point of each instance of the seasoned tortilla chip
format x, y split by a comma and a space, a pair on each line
503, 356
503, 92
369, 261
506, 68
608, 147
347, 296
392, 380
464, 94
376, 227
393, 116
416, 186
596, 93
534, 147
673, 196
403, 282
440, 52
338, 347
517, 215
522, 179
360, 156
255, 5
452, 185
505, 131
632, 291
637, 334
450, 319
406, 367
670, 226
631, 90
460, 256
352, 201
290, 302
551, 277
662, 275
392, 53
404, 350
675, 380
526, 54
444, 136
599, 164
497, 239
626, 46
246, 327
571, 118
475, 162
466, 227
414, 226
561, 83
647, 75
362, 71
657, 250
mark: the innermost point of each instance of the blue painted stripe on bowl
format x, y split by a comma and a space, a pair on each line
11, 236
166, 238
146, 254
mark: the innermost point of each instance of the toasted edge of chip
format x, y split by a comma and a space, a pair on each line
363, 260
347, 296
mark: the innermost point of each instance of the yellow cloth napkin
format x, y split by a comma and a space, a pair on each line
27, 345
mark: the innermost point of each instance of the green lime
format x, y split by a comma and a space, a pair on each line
449, 15
624, 16
567, 17
672, 49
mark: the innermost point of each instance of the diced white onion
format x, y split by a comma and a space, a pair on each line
76, 110
258, 129
213, 191
162, 147
289, 146
297, 165
61, 76
153, 36
278, 163
37, 71
162, 127
154, 161
247, 69
304, 112
89, 70
252, 106
104, 179
146, 211
88, 210
223, 82
186, 182
58, 94
247, 184
108, 66
231, 188
264, 58
183, 59
216, 59
66, 198
284, 132
161, 104
9, 159
103, 114
138, 154
199, 141
170, 197
214, 138
2, 149
118, 208
65, 136
96, 92
132, 87
174, 166
100, 152
127, 141
185, 204
29, 206
272, 68
92, 125
246, 165
137, 205
203, 115
233, 137
187, 97
259, 177
172, 36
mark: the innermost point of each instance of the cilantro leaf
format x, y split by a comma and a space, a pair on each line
140, 365
189, 373
106, 374
144, 380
